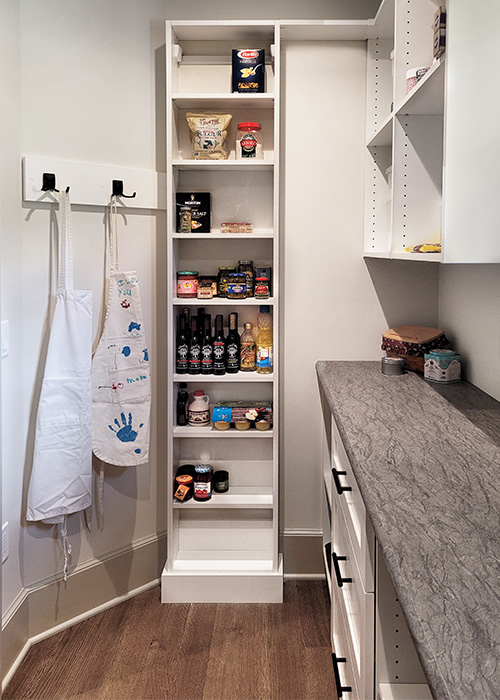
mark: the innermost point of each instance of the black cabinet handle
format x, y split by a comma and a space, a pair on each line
340, 580
336, 660
338, 485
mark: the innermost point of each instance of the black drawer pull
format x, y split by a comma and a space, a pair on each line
340, 580
338, 485
336, 660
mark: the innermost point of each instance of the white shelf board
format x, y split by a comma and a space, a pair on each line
427, 97
403, 691
264, 100
91, 184
382, 26
238, 378
230, 164
223, 301
325, 29
216, 234
383, 135
223, 30
236, 497
227, 561
188, 431
418, 257
383, 254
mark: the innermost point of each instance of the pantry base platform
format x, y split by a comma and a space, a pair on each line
223, 585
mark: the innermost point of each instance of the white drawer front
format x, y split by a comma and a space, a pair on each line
343, 662
356, 607
358, 524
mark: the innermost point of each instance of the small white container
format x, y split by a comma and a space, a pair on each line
199, 411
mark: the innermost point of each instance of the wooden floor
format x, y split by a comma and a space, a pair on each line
143, 650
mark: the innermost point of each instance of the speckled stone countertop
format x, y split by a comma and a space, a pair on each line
427, 461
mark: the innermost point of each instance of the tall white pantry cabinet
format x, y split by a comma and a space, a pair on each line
226, 549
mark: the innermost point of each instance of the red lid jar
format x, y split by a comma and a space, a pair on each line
248, 140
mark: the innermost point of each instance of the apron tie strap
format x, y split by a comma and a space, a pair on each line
65, 257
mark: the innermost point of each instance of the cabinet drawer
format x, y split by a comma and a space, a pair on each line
353, 508
343, 662
356, 607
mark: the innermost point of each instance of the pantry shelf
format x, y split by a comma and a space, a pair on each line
223, 301
188, 431
200, 101
223, 165
216, 234
237, 497
238, 378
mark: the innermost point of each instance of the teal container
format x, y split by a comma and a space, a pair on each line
442, 366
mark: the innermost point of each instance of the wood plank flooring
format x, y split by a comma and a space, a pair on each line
143, 650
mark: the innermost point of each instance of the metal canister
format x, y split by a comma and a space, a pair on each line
392, 365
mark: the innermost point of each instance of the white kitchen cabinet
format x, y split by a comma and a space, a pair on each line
373, 655
432, 153
226, 549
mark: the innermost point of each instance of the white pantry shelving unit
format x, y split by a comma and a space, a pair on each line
224, 550
432, 156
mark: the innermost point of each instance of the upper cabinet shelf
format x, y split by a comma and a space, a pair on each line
230, 101
432, 148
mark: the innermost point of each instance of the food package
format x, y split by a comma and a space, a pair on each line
234, 411
208, 133
412, 343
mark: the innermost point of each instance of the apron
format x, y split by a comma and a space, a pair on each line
121, 381
61, 478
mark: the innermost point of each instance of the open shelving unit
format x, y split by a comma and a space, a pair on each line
226, 549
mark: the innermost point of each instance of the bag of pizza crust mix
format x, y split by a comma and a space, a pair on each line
208, 134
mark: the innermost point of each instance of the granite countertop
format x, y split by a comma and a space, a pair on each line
427, 461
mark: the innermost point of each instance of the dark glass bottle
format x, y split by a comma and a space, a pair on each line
207, 347
182, 404
187, 321
233, 345
194, 348
201, 323
219, 345
181, 346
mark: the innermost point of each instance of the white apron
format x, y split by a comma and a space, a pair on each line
61, 478
121, 382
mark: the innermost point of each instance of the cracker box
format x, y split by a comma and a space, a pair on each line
234, 411
249, 69
201, 210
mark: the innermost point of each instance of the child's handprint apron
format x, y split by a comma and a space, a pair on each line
61, 478
121, 382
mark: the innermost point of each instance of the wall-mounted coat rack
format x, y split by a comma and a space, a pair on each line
92, 185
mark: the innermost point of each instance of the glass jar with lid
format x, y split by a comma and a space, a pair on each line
248, 140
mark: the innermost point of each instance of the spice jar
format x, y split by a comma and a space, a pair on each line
236, 285
187, 284
221, 481
246, 266
185, 220
202, 482
248, 141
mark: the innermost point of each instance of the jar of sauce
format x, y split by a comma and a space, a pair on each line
236, 285
202, 482
187, 284
248, 141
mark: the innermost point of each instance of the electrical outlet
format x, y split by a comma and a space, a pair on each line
5, 541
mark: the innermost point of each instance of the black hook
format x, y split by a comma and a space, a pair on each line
49, 182
118, 190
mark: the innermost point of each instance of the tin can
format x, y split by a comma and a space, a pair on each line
392, 365
442, 366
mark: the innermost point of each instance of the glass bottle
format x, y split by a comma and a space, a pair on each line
219, 347
248, 349
181, 346
207, 347
182, 404
194, 348
264, 341
233, 345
